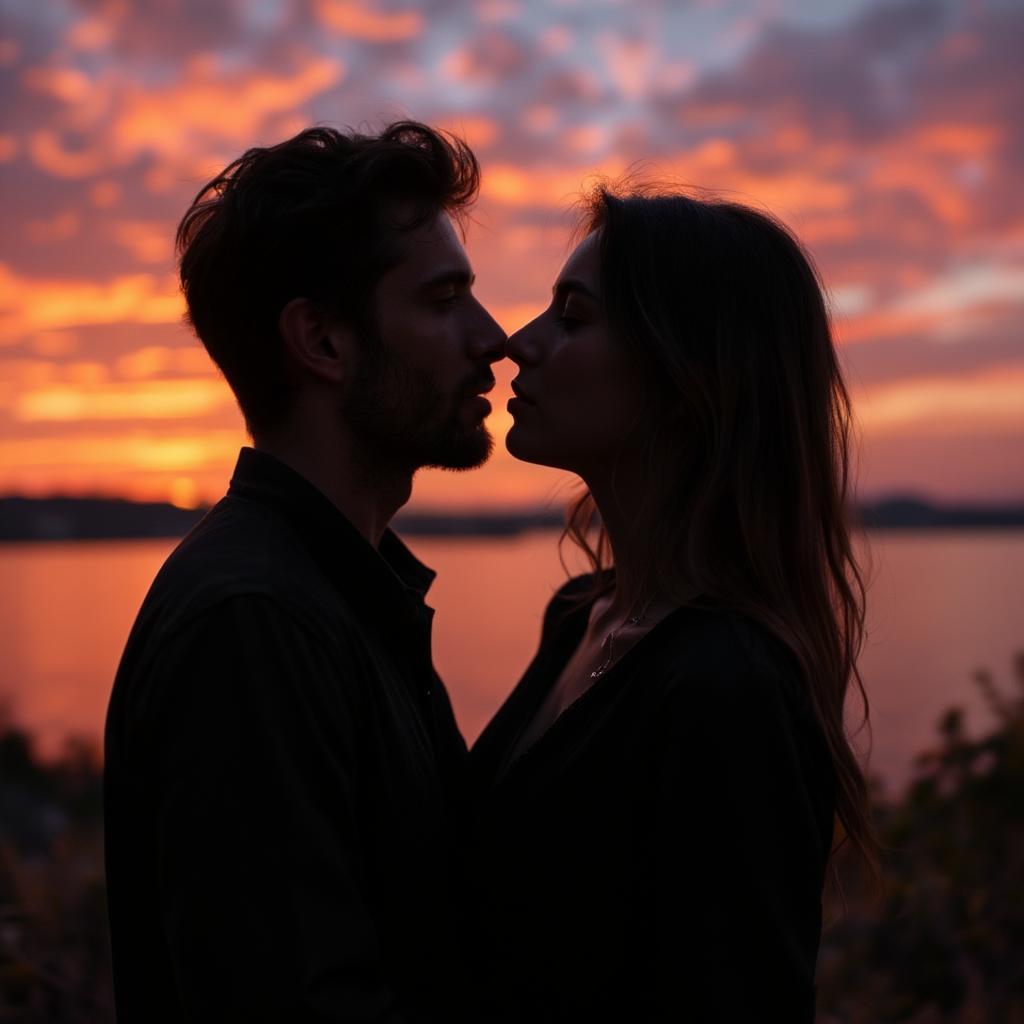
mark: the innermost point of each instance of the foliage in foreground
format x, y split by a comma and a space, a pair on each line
942, 944
944, 940
54, 946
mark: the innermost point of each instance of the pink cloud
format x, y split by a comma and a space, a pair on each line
361, 21
203, 111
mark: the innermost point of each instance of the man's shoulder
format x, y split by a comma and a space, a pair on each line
238, 552
239, 573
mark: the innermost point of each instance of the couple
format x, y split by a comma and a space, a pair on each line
294, 830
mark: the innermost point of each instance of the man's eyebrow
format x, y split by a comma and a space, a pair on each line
458, 276
573, 284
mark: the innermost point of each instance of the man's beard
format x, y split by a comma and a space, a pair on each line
403, 422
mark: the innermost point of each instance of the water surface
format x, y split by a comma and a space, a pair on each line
941, 606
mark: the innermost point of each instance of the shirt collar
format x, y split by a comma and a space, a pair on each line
387, 580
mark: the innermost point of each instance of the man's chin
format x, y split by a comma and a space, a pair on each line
462, 450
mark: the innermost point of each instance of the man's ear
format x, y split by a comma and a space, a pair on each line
315, 342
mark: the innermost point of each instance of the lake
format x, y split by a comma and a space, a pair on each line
942, 604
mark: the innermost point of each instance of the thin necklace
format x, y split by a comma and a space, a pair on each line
608, 644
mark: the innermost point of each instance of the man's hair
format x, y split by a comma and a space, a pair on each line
316, 217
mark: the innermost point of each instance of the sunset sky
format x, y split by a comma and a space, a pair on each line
889, 135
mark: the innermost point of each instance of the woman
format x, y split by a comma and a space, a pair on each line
654, 802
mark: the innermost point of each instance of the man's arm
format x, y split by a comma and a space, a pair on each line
261, 884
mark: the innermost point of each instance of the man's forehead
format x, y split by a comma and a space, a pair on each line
431, 247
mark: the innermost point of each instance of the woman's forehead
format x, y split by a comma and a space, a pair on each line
584, 263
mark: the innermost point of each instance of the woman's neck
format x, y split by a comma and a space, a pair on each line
620, 507
624, 502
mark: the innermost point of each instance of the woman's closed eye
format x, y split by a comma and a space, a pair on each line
568, 319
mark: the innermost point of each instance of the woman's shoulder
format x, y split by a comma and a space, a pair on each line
722, 655
731, 683
572, 597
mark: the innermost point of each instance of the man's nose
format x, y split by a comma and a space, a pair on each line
488, 339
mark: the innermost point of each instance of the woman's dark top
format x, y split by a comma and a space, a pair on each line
659, 852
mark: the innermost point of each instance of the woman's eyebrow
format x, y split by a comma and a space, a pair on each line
459, 277
573, 284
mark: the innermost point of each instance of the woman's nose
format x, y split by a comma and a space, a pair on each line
523, 347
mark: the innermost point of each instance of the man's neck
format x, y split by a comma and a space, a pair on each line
368, 502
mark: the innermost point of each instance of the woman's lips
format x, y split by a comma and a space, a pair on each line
521, 395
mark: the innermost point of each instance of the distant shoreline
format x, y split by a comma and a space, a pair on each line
60, 518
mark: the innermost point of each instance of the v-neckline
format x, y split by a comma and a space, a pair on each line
509, 762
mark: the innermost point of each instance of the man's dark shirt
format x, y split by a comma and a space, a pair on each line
281, 770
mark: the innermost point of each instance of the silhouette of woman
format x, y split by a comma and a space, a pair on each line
653, 806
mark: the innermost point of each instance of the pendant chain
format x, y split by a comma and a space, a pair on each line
608, 644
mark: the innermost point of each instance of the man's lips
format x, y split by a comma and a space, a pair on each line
474, 400
482, 388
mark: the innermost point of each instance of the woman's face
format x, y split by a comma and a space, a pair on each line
577, 392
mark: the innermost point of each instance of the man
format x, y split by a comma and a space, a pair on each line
281, 758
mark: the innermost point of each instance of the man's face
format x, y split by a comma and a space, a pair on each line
416, 398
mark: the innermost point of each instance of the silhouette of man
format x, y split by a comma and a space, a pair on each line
282, 763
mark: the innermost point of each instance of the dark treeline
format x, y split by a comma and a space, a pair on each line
58, 518
942, 942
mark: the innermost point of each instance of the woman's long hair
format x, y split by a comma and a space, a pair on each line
748, 408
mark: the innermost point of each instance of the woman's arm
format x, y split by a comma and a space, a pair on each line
737, 855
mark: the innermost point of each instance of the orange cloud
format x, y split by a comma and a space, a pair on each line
152, 360
587, 138
54, 343
105, 194
123, 452
839, 227
479, 132
58, 228
66, 84
924, 162
360, 21
148, 241
948, 305
541, 117
29, 305
717, 163
209, 105
49, 154
182, 122
90, 34
629, 63
986, 403
517, 186
163, 399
